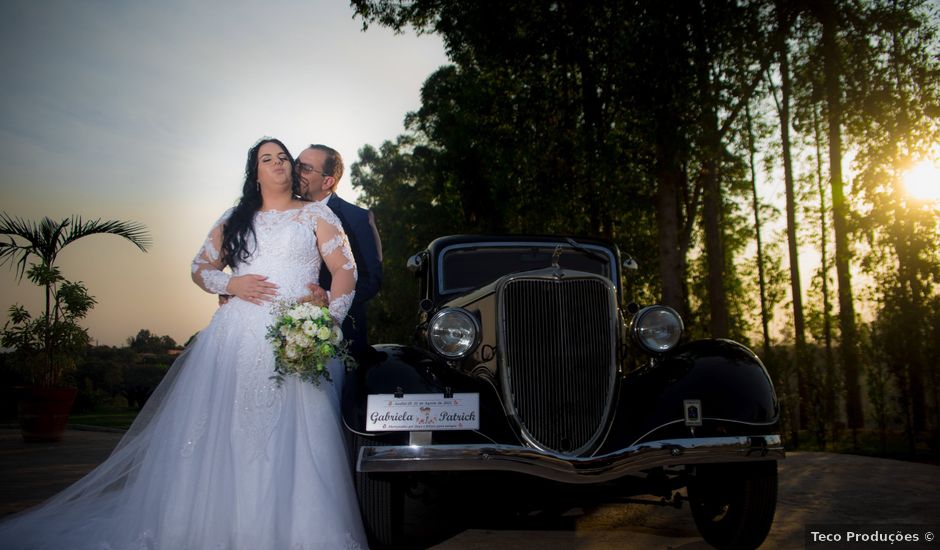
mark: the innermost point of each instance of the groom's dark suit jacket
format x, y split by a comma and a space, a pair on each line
365, 250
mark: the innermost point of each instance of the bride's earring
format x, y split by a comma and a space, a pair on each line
258, 185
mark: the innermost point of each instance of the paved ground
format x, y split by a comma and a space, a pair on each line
814, 488
32, 472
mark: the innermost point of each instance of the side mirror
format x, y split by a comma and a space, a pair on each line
416, 262
630, 264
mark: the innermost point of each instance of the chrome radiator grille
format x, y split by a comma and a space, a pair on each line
559, 359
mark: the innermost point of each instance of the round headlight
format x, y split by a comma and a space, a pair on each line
657, 328
453, 332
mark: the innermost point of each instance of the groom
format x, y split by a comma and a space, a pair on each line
320, 169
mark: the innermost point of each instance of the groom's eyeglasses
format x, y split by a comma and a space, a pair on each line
307, 169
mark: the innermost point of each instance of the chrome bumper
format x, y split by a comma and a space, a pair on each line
549, 465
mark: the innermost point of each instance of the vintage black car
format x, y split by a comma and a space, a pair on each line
529, 363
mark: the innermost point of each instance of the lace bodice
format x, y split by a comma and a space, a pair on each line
287, 248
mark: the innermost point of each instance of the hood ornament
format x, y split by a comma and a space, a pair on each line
556, 256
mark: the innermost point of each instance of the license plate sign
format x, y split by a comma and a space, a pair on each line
423, 412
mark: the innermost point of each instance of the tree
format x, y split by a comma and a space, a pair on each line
578, 130
901, 124
57, 335
827, 13
878, 93
781, 46
531, 118
147, 342
761, 279
628, 120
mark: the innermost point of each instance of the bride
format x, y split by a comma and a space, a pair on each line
222, 457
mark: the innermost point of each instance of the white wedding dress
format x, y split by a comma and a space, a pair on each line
221, 457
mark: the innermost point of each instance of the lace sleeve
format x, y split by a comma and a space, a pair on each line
207, 265
338, 257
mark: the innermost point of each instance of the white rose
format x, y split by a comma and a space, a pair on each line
316, 312
337, 334
291, 352
323, 333
309, 327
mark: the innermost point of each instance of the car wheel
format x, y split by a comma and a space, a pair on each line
381, 500
733, 504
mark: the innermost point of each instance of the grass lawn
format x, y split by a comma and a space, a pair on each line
117, 418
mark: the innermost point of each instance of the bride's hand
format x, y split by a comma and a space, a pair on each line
252, 288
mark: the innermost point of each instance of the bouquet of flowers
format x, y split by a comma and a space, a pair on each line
305, 339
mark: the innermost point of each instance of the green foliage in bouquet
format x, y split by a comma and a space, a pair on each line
305, 340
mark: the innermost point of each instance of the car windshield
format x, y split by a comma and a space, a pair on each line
468, 266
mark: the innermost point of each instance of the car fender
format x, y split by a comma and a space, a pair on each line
724, 380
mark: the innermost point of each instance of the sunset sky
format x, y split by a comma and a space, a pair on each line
144, 111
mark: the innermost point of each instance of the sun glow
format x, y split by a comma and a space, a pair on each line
922, 181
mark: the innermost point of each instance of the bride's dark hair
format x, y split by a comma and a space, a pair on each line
241, 223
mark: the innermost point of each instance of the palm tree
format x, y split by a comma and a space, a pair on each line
65, 301
47, 238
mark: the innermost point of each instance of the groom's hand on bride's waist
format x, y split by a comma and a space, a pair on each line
252, 288
317, 296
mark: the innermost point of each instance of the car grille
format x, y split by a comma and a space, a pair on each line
559, 359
